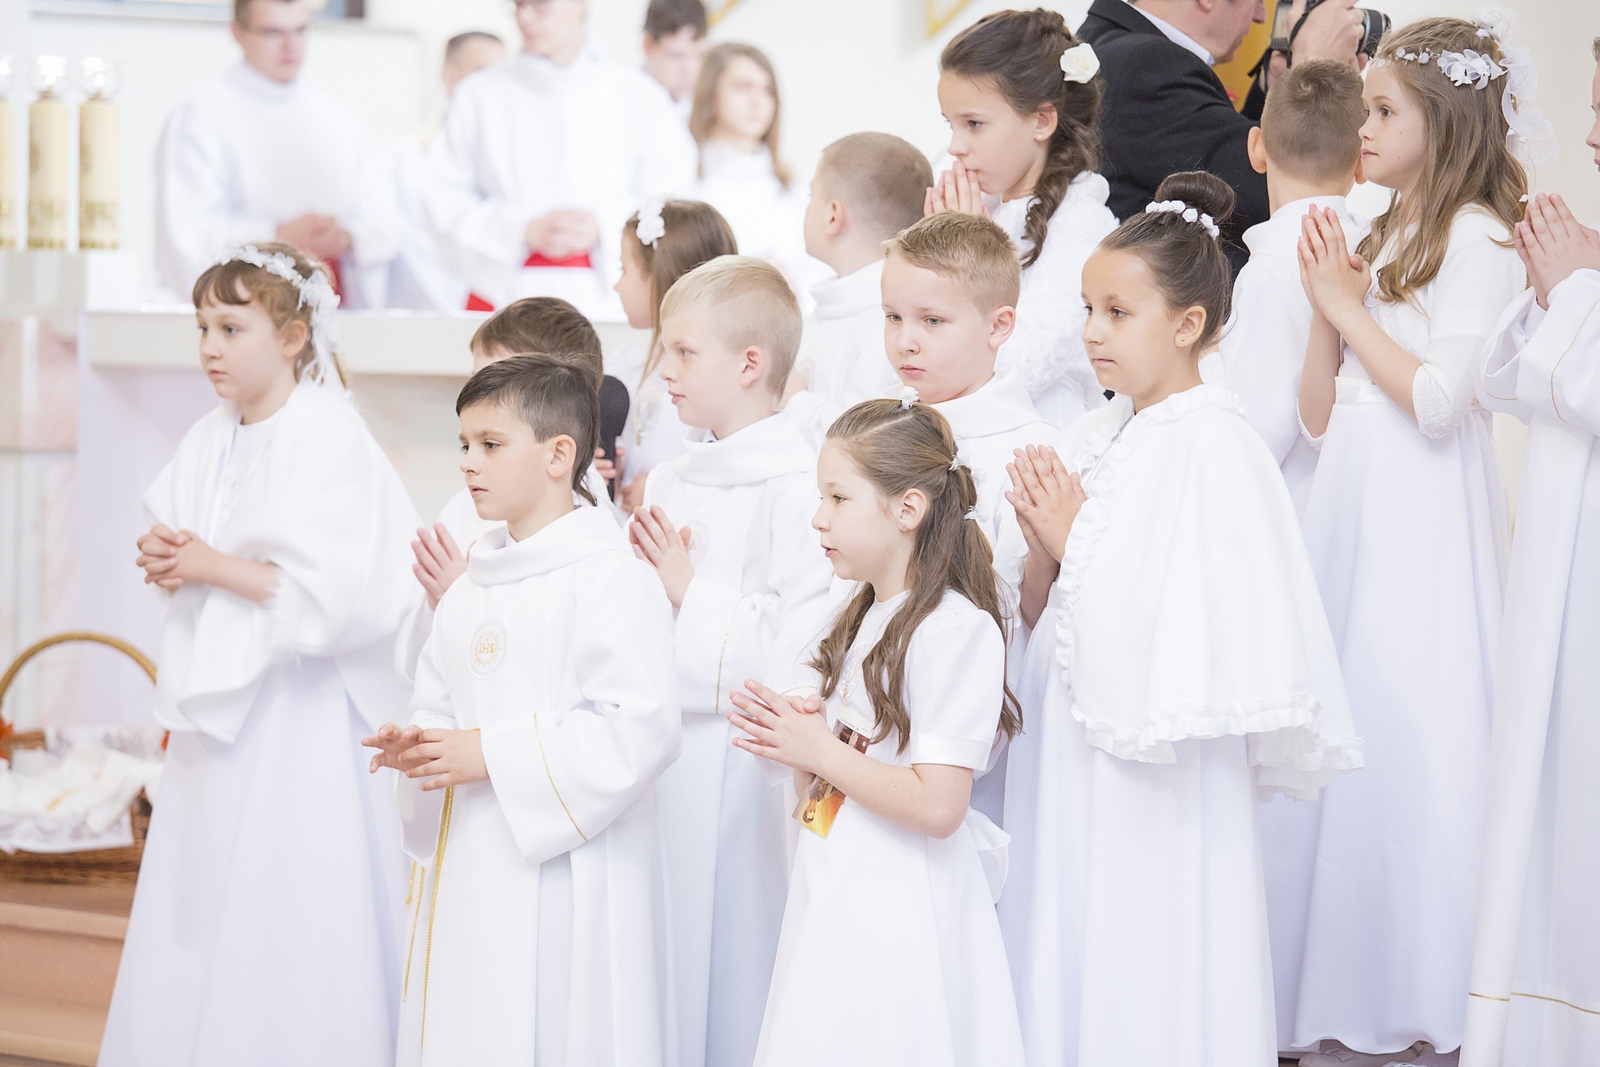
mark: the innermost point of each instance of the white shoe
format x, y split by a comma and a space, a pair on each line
1339, 1056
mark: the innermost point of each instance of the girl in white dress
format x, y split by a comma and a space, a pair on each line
1020, 94
735, 121
1182, 669
266, 926
660, 244
1406, 526
891, 952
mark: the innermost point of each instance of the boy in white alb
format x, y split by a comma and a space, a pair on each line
950, 286
727, 527
1309, 147
674, 44
541, 160
868, 187
544, 711
540, 325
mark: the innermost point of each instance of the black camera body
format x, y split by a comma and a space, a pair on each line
1374, 25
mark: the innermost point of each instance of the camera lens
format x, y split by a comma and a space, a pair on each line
1374, 25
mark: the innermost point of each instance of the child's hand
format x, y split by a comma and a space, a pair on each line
158, 555
1336, 281
655, 542
448, 757
1045, 497
439, 561
1553, 244
393, 745
785, 729
191, 560
955, 190
606, 469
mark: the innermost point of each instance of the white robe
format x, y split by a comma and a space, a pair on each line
748, 613
1535, 993
1405, 524
891, 952
767, 217
1046, 347
266, 926
1182, 669
540, 937
842, 347
526, 137
419, 277
244, 153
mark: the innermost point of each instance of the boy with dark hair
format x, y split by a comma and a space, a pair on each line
674, 43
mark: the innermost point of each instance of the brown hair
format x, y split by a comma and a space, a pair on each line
541, 324
972, 251
1185, 262
703, 115
695, 233
1019, 53
663, 18
1467, 161
1311, 125
755, 308
898, 449
241, 9
239, 283
881, 179
554, 396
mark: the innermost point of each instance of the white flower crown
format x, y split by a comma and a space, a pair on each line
652, 227
1189, 214
315, 293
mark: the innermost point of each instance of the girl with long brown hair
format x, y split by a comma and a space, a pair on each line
1406, 526
891, 951
1022, 97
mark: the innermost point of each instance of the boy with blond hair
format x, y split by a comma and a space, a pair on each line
867, 188
1309, 147
727, 526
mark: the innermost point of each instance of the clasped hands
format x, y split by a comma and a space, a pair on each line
443, 757
564, 232
1553, 244
171, 558
1046, 499
667, 550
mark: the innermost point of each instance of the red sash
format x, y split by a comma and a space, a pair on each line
535, 259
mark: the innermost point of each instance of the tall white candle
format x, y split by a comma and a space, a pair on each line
97, 174
48, 146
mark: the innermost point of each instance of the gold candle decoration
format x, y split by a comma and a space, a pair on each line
8, 160
97, 156
48, 149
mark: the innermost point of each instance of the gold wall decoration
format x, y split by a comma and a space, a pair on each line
717, 10
941, 13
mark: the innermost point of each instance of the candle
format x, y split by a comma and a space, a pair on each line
48, 147
8, 178
97, 174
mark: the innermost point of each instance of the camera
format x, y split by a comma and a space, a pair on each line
1374, 25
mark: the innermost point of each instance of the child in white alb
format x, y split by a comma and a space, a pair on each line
544, 712
1406, 526
726, 525
891, 910
1028, 163
279, 528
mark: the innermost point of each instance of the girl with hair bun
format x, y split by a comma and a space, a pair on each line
890, 952
1022, 96
1182, 669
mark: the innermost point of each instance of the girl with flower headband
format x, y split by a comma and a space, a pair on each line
911, 678
1182, 670
1407, 529
1021, 95
279, 533
661, 243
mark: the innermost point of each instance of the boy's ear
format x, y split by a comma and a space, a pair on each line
1256, 150
752, 367
563, 453
834, 224
1001, 323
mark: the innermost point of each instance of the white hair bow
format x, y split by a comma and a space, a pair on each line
652, 227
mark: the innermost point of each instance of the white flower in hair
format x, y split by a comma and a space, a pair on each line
959, 462
1079, 63
315, 293
1185, 212
651, 225
1468, 67
1529, 136
907, 396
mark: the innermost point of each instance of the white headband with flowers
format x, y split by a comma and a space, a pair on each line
1187, 213
315, 293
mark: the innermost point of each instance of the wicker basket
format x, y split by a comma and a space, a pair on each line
96, 866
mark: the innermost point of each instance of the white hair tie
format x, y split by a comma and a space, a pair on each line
315, 293
1187, 213
959, 462
1079, 63
907, 396
652, 227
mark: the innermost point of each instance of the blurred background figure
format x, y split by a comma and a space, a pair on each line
674, 44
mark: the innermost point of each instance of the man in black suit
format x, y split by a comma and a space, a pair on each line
1164, 109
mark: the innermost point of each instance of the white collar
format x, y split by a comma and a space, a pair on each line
1264, 236
252, 80
495, 559
1177, 36
860, 290
763, 450
1000, 405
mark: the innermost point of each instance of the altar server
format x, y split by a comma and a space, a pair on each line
726, 526
661, 243
867, 188
543, 944
266, 928
259, 155
891, 911
674, 46
1183, 669
1019, 93
541, 160
1405, 525
540, 325
1534, 982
